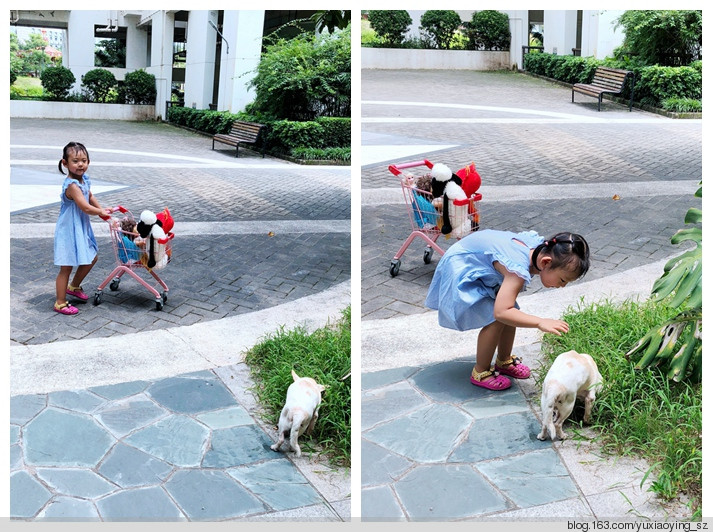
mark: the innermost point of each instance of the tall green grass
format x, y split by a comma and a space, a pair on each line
324, 355
639, 412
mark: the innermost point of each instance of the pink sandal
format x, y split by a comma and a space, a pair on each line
512, 367
76, 291
496, 383
66, 309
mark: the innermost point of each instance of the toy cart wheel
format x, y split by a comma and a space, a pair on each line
114, 286
159, 305
394, 269
427, 255
97, 298
165, 296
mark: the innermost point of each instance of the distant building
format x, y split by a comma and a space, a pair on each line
200, 58
565, 32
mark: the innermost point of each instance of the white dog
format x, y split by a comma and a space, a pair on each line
572, 375
300, 411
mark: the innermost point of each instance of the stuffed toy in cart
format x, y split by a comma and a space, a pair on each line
155, 227
446, 184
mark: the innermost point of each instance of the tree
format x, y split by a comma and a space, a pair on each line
662, 37
440, 25
32, 52
489, 30
139, 88
57, 82
304, 77
679, 287
110, 53
390, 25
98, 85
331, 20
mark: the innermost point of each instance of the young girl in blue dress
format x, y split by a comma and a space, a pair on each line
74, 241
476, 284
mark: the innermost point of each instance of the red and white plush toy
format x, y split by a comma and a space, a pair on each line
151, 226
455, 201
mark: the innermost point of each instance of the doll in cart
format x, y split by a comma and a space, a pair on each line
146, 240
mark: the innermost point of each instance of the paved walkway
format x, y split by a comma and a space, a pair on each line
434, 447
124, 412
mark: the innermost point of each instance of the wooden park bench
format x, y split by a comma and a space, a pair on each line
606, 81
241, 133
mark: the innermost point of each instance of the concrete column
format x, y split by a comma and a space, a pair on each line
239, 59
519, 35
136, 44
162, 57
560, 31
80, 44
608, 38
200, 58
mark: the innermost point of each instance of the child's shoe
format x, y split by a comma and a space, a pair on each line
498, 382
76, 291
512, 367
66, 309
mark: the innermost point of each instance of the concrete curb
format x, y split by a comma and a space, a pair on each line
81, 364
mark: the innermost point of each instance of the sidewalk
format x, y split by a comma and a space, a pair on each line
434, 447
127, 413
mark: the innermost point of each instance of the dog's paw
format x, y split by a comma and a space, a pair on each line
541, 437
275, 447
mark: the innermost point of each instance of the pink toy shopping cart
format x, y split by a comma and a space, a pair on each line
425, 212
133, 254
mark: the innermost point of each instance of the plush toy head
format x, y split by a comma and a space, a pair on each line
150, 225
146, 222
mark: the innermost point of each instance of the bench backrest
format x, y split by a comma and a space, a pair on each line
246, 129
611, 79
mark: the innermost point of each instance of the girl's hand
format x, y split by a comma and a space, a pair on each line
553, 326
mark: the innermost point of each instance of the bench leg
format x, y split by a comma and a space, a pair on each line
572, 95
599, 105
236, 150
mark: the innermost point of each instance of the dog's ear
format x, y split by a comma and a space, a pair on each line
295, 377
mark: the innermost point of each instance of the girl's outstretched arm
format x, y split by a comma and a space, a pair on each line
91, 207
505, 311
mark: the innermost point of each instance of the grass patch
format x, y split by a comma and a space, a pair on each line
324, 355
638, 413
26, 87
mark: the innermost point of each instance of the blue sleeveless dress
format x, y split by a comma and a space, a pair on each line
74, 241
465, 282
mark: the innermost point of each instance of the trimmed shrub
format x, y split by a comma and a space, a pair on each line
657, 83
57, 82
321, 154
139, 88
98, 84
13, 76
440, 26
337, 131
489, 30
391, 26
682, 105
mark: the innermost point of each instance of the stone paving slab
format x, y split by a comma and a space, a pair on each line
181, 448
474, 456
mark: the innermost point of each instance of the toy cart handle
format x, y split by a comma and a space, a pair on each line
396, 168
118, 208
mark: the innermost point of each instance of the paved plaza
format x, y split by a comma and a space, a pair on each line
434, 447
125, 412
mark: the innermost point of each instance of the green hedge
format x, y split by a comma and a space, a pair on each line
283, 136
654, 84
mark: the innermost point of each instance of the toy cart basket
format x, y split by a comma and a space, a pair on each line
134, 254
425, 213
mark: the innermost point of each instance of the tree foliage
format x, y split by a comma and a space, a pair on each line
331, 20
98, 85
139, 88
440, 25
304, 77
390, 25
57, 82
489, 30
110, 53
662, 37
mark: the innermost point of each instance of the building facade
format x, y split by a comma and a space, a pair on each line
564, 32
200, 58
